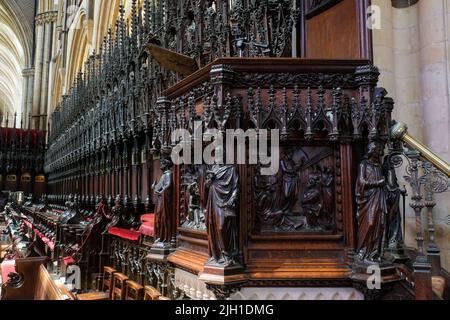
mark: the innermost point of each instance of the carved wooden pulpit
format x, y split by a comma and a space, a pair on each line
297, 224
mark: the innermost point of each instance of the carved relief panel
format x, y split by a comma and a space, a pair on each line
193, 197
300, 198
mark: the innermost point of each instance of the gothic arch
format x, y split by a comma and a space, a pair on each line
106, 12
15, 56
79, 48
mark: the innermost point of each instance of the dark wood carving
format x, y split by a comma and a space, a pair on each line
193, 197
115, 216
300, 198
222, 215
164, 210
229, 223
371, 200
394, 193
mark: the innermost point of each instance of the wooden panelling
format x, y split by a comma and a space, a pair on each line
338, 33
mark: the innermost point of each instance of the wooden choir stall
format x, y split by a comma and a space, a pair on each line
299, 203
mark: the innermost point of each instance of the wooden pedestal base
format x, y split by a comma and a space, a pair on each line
223, 275
397, 255
374, 280
423, 279
223, 281
160, 251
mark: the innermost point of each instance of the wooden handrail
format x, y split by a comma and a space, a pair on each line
400, 132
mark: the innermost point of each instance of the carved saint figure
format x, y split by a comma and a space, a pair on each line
164, 203
371, 205
313, 200
327, 193
393, 194
196, 215
116, 214
221, 218
266, 204
290, 181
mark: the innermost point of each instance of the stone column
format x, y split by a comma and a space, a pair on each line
30, 92
396, 54
52, 78
28, 77
407, 72
24, 96
38, 70
383, 47
434, 68
434, 24
45, 73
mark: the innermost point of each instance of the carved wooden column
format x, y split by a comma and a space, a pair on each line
422, 268
433, 252
165, 219
224, 272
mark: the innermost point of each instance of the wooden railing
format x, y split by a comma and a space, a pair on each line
428, 175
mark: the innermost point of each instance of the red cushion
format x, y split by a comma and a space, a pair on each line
125, 233
7, 267
150, 217
69, 261
51, 245
147, 230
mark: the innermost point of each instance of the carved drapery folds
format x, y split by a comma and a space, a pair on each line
221, 215
165, 223
372, 207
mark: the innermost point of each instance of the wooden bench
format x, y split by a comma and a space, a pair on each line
33, 282
150, 293
134, 291
106, 287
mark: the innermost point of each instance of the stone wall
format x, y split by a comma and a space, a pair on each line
412, 50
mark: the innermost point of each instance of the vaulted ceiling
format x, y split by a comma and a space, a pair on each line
16, 21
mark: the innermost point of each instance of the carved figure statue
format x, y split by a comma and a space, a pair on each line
371, 205
221, 217
327, 192
115, 216
393, 194
266, 204
196, 216
290, 181
165, 225
73, 214
313, 200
